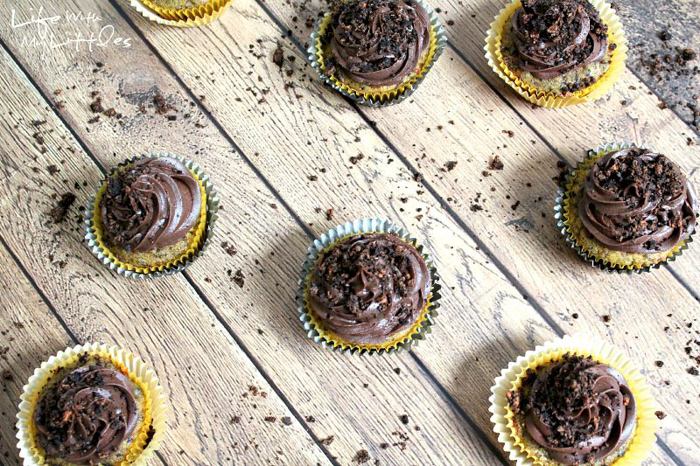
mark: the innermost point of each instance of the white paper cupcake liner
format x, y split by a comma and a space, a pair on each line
30, 454
212, 216
367, 225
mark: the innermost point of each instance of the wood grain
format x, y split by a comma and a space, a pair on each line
261, 313
439, 142
283, 150
29, 334
165, 322
316, 130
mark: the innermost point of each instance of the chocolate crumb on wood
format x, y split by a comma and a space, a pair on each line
58, 213
238, 278
362, 457
230, 249
278, 55
496, 163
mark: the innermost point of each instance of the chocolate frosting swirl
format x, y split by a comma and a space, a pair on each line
378, 42
638, 201
578, 410
554, 37
151, 204
85, 417
369, 287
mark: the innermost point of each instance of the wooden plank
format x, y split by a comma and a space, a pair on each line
631, 112
163, 321
477, 112
373, 401
29, 334
319, 129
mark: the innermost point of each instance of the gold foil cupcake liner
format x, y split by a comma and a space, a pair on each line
205, 228
438, 41
406, 340
616, 35
147, 440
510, 379
190, 17
563, 213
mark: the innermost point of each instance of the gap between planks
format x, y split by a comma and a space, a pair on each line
480, 434
51, 307
289, 34
285, 204
550, 321
185, 274
430, 377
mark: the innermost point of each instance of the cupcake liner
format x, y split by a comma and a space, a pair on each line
563, 222
616, 36
438, 41
191, 17
139, 373
93, 234
315, 332
502, 416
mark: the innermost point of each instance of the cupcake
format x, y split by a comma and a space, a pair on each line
152, 214
628, 208
574, 411
376, 51
182, 12
91, 405
575, 401
557, 52
368, 290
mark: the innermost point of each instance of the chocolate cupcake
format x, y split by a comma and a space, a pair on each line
629, 208
557, 52
574, 401
91, 405
152, 214
367, 290
376, 51
575, 411
89, 415
556, 46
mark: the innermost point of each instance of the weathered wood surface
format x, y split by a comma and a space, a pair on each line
279, 148
165, 322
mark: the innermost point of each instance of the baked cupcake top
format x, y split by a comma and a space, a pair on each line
369, 287
578, 410
638, 201
553, 37
150, 204
378, 42
85, 417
